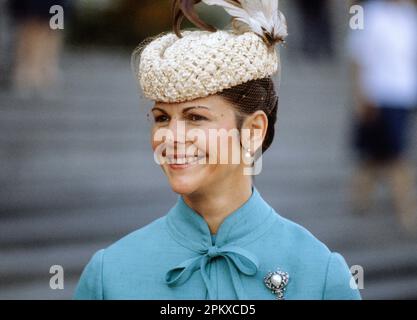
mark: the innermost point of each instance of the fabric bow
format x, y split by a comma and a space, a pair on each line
237, 259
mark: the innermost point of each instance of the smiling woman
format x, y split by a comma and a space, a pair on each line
213, 94
202, 137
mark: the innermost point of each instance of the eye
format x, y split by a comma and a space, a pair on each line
161, 118
196, 117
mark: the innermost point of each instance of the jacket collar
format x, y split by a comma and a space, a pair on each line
241, 226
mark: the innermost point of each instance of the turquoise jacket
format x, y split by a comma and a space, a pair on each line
176, 257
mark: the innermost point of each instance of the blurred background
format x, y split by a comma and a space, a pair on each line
76, 167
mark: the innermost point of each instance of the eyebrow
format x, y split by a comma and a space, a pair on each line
183, 111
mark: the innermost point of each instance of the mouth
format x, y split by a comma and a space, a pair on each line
182, 162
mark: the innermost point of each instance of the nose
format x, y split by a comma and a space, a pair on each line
176, 137
176, 131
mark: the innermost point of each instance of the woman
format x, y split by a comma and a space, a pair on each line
221, 240
38, 47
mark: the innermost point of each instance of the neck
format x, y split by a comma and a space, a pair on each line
218, 202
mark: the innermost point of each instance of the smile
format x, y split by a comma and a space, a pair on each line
182, 161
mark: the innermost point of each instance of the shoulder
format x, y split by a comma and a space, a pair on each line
314, 257
298, 240
122, 252
140, 245
339, 283
90, 285
142, 237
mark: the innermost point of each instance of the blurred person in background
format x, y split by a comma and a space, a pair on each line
384, 56
317, 39
4, 44
38, 47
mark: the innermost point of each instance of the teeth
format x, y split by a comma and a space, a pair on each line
187, 160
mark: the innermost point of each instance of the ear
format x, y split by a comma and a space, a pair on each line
254, 130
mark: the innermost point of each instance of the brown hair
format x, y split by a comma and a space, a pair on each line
252, 96
248, 97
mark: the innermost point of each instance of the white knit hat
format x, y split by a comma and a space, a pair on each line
201, 63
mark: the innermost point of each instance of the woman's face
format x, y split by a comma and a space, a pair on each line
197, 143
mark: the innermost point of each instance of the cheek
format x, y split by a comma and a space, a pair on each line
229, 140
155, 142
224, 145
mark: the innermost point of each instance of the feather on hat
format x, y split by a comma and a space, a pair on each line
259, 16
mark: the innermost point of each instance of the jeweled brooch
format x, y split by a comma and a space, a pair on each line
277, 282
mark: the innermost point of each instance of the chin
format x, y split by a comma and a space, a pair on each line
183, 188
188, 181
